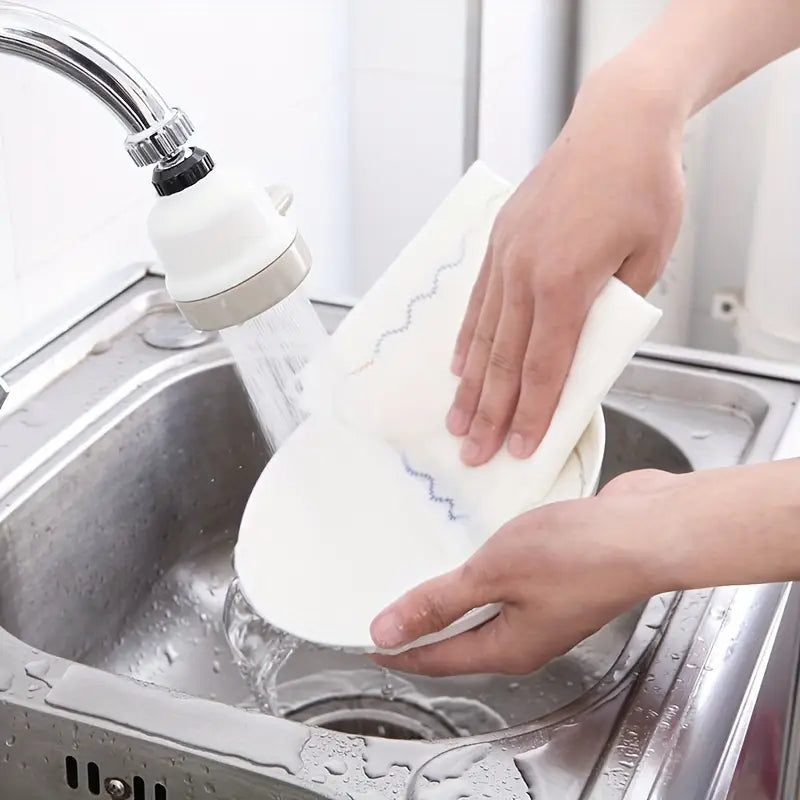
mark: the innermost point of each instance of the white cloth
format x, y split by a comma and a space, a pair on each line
370, 496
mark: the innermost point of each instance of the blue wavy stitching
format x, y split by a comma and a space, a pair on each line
431, 293
430, 480
419, 298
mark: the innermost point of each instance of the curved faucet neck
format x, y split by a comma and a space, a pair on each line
156, 131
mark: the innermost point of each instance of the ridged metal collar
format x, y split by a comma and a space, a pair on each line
156, 129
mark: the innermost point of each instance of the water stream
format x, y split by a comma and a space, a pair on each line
270, 352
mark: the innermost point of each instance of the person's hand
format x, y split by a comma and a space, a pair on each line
561, 572
606, 199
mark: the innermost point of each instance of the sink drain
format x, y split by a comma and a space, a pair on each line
373, 716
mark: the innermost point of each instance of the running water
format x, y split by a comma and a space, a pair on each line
270, 352
260, 651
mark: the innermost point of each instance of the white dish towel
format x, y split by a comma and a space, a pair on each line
369, 497
388, 369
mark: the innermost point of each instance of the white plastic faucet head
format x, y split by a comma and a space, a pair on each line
228, 253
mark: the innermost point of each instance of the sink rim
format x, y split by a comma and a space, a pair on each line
17, 480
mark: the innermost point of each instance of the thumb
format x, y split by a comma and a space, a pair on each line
430, 607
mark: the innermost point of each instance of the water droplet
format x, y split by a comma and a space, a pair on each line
336, 766
10, 740
6, 679
38, 670
171, 653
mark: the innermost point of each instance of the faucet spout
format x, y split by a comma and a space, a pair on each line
156, 131
228, 252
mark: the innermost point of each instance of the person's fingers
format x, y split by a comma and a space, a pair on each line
432, 606
640, 271
470, 322
557, 324
469, 389
491, 648
501, 384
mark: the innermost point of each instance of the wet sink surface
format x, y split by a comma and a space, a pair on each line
124, 469
121, 560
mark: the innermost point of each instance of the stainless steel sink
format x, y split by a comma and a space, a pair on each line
124, 470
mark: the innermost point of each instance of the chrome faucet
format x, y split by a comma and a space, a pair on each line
157, 132
229, 253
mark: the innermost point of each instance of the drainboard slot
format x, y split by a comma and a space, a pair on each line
93, 782
71, 767
93, 775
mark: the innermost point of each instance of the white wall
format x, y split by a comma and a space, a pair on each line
522, 80
265, 84
359, 106
406, 121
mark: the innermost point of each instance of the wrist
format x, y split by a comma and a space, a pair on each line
633, 86
730, 526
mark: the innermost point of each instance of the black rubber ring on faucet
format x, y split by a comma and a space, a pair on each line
186, 173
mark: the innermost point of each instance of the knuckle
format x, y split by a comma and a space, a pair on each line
468, 391
487, 418
537, 372
517, 284
503, 364
552, 285
432, 612
473, 574
484, 338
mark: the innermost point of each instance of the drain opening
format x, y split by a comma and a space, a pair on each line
138, 788
373, 716
161, 792
71, 768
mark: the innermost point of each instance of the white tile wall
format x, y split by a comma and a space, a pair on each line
266, 86
406, 121
357, 104
522, 77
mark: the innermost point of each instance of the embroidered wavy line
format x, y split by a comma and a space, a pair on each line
429, 479
423, 296
412, 303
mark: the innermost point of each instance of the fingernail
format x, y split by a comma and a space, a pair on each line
457, 365
387, 630
458, 421
519, 446
470, 451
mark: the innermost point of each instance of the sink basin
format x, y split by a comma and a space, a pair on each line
131, 461
122, 559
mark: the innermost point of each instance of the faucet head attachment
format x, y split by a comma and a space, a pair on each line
160, 142
228, 251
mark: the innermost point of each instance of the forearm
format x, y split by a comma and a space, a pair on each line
700, 48
734, 526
